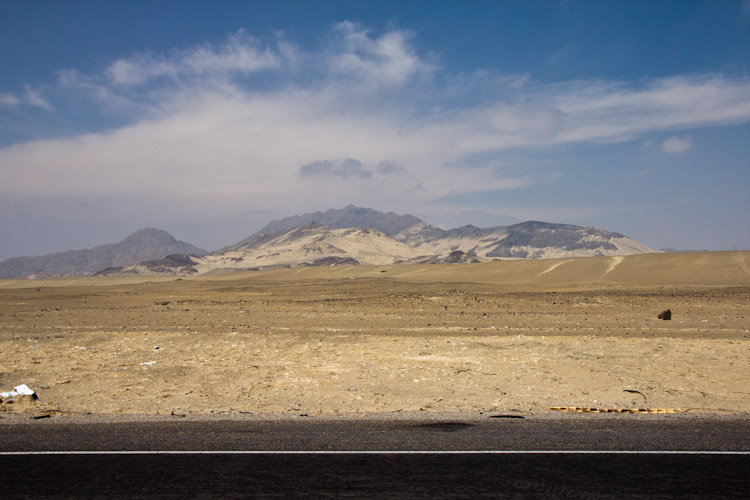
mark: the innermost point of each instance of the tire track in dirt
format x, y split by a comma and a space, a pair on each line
616, 261
553, 267
741, 259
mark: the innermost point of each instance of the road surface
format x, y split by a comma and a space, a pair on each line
492, 458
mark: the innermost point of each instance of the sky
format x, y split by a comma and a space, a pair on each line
210, 119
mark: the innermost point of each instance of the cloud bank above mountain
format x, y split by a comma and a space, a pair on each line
248, 125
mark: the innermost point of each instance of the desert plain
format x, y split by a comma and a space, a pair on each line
506, 337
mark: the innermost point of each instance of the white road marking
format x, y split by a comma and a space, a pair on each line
377, 452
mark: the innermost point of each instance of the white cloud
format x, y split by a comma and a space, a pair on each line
562, 55
676, 145
226, 148
240, 54
614, 111
34, 98
9, 100
30, 97
387, 60
206, 138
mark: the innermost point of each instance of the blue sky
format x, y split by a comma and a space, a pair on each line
209, 119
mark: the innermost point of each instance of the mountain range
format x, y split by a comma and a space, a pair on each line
347, 236
142, 245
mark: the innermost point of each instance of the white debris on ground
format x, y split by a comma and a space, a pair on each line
19, 390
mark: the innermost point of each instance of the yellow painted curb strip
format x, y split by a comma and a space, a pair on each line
579, 409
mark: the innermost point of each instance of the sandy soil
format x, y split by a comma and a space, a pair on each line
275, 343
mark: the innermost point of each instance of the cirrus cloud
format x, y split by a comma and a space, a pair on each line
30, 97
676, 145
240, 54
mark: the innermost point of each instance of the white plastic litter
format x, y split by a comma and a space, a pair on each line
19, 390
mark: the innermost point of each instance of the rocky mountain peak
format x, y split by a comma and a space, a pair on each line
350, 216
149, 234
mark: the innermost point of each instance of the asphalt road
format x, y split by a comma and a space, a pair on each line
611, 457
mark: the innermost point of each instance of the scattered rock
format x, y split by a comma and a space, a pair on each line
665, 315
633, 391
332, 261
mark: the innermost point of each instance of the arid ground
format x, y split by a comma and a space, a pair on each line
515, 336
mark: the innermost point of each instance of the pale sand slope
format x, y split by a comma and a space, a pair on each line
299, 246
656, 269
503, 336
719, 269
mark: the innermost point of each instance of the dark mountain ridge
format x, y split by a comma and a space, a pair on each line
389, 223
145, 244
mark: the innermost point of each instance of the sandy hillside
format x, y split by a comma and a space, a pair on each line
307, 244
516, 336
